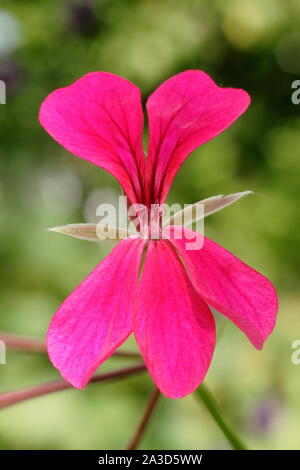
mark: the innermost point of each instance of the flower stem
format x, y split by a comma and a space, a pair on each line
17, 396
38, 346
139, 432
211, 405
24, 344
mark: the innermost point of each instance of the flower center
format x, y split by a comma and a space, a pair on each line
149, 221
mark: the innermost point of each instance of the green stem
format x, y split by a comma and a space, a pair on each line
211, 405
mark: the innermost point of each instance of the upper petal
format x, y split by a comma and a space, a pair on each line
96, 318
100, 118
174, 328
184, 112
230, 286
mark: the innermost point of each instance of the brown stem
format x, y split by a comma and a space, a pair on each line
38, 346
134, 442
17, 396
24, 344
129, 354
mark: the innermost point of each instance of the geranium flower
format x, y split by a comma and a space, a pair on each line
99, 118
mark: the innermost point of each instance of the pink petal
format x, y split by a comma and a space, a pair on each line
100, 118
96, 318
174, 328
184, 112
230, 286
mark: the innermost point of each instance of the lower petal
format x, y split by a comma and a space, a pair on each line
230, 286
96, 318
174, 328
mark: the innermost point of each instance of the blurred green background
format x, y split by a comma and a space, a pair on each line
253, 45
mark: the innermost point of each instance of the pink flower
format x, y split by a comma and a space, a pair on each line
99, 118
